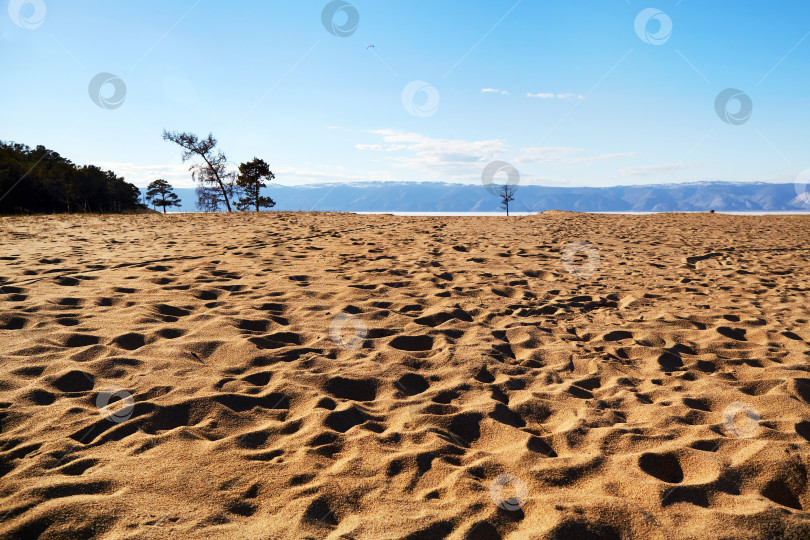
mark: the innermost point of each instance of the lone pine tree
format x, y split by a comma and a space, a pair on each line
251, 179
161, 193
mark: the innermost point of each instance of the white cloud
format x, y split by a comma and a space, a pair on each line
442, 158
655, 170
564, 155
494, 91
551, 154
552, 95
463, 160
293, 176
589, 160
177, 175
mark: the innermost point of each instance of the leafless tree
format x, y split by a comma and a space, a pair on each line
211, 194
506, 193
212, 172
209, 199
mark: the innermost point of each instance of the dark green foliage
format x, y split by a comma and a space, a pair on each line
251, 179
161, 193
40, 180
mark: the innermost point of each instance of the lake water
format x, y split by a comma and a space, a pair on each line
511, 214
503, 214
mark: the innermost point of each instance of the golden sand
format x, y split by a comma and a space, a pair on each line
340, 376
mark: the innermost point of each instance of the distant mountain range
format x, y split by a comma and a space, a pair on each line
443, 197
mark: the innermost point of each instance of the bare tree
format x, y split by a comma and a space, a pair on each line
209, 199
506, 193
213, 172
211, 194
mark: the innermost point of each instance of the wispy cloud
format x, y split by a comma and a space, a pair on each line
655, 170
441, 158
432, 158
176, 174
590, 160
494, 91
456, 160
552, 95
294, 176
546, 154
565, 155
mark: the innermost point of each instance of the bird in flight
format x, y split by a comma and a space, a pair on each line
370, 47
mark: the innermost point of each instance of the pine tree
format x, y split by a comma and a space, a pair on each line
161, 193
251, 179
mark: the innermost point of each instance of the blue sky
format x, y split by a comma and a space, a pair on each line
567, 92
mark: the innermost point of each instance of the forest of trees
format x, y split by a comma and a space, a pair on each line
41, 181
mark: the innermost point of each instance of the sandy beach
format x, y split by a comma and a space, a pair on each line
305, 375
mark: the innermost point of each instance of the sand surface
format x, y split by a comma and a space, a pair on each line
342, 376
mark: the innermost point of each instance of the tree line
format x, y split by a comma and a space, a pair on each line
39, 180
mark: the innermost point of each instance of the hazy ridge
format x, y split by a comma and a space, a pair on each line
445, 197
